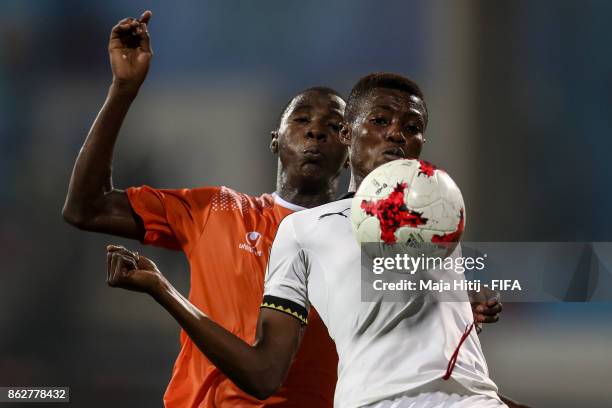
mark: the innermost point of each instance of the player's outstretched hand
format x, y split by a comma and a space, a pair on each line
130, 50
486, 306
128, 270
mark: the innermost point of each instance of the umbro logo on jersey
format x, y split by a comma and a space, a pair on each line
340, 213
252, 239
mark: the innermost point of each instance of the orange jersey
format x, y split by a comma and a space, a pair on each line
227, 236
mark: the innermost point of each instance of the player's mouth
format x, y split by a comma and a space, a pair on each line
312, 155
394, 154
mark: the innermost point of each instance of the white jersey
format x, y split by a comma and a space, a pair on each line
386, 349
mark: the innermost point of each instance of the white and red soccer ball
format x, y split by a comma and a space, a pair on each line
409, 203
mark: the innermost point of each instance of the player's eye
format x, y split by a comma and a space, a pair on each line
335, 127
301, 119
412, 128
379, 121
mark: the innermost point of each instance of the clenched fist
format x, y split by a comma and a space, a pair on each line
130, 50
128, 270
486, 306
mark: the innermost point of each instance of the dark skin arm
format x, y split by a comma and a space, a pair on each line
258, 369
92, 203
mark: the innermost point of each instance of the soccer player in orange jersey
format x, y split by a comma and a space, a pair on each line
225, 234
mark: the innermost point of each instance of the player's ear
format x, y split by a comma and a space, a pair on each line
345, 134
274, 142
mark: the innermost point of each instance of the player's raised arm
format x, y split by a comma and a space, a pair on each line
92, 203
258, 369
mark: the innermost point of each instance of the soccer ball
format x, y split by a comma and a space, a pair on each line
408, 205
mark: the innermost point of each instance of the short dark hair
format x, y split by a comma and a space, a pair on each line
378, 80
325, 90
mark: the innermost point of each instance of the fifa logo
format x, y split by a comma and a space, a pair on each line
252, 239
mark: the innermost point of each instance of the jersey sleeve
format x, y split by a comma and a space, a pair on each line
172, 219
286, 283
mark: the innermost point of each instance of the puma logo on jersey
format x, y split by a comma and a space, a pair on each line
340, 213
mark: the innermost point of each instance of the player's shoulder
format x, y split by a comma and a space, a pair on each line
228, 199
307, 219
309, 227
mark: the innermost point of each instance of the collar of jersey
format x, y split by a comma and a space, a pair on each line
294, 207
284, 203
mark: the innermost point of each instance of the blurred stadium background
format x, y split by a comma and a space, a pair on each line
520, 115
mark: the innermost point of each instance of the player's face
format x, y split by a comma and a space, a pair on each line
308, 142
390, 126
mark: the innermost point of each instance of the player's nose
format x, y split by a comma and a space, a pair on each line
395, 135
317, 132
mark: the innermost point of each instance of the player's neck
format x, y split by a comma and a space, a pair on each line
306, 194
306, 199
354, 183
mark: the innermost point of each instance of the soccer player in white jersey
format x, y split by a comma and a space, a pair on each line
390, 354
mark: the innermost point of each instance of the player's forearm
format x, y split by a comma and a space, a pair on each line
254, 370
511, 403
92, 174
